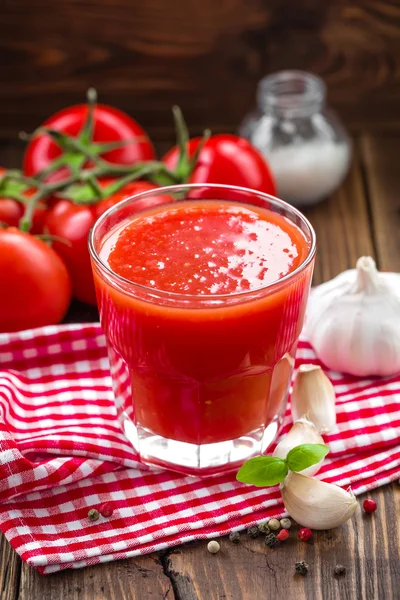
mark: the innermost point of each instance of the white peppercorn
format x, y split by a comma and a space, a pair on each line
286, 523
274, 524
213, 547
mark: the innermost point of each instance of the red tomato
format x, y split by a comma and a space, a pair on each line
111, 125
35, 282
39, 217
73, 222
11, 212
227, 159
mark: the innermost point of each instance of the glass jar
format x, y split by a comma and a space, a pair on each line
200, 381
305, 144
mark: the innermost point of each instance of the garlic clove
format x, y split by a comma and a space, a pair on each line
281, 378
353, 321
317, 504
313, 395
302, 432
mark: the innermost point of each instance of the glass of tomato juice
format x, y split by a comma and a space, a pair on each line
202, 291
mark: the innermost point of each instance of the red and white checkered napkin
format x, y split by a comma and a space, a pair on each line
62, 452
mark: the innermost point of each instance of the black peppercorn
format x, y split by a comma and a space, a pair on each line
301, 567
271, 540
234, 536
340, 570
253, 532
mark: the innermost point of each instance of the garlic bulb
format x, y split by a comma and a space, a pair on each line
353, 321
302, 432
313, 395
317, 504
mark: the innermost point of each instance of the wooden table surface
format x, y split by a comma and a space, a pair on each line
363, 217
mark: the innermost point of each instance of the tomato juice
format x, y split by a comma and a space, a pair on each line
202, 302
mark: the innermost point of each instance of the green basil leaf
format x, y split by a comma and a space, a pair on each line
263, 471
304, 456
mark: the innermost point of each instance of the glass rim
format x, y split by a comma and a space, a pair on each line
193, 186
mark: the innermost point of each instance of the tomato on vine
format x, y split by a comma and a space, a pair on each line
86, 158
99, 129
14, 196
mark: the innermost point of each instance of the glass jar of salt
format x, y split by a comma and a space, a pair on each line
305, 144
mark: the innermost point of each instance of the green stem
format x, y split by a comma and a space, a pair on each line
150, 169
47, 237
93, 183
14, 196
28, 181
82, 183
56, 164
196, 154
86, 134
25, 223
43, 192
182, 139
118, 185
11, 174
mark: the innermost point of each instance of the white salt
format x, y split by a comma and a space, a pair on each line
309, 171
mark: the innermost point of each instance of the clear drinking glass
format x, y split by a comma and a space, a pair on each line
200, 382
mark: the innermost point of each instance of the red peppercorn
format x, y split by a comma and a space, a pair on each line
283, 535
369, 505
305, 534
106, 510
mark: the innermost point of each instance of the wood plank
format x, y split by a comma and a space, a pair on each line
10, 570
342, 226
142, 56
136, 579
208, 56
382, 173
368, 546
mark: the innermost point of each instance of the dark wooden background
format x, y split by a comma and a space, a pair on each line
206, 55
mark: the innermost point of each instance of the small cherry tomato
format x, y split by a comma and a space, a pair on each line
35, 282
11, 210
